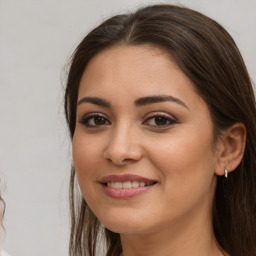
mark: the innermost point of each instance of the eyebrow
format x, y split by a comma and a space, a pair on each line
95, 100
158, 99
139, 102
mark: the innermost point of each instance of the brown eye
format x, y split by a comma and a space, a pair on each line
94, 121
159, 121
99, 120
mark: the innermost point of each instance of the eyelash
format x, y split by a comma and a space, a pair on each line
92, 116
161, 117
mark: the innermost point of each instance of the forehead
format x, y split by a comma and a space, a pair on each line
125, 62
123, 67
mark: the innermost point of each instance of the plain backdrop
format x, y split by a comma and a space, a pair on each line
36, 39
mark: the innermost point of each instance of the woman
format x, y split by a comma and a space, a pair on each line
161, 113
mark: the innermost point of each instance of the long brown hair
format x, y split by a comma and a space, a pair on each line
210, 58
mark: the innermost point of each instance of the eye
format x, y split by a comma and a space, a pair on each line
94, 120
159, 121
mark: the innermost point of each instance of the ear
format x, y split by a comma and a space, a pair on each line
231, 148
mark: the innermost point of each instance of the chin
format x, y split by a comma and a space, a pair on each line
124, 228
125, 224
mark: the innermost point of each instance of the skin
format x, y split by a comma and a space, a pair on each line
174, 216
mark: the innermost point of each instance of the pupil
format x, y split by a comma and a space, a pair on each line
160, 120
99, 120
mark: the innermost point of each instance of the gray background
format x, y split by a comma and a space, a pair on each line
36, 38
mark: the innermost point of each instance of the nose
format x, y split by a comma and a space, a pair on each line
123, 147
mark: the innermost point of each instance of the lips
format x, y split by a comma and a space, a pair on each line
124, 178
126, 186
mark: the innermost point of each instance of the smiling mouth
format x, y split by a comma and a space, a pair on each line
128, 184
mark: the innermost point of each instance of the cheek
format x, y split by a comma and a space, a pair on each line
186, 162
85, 156
87, 161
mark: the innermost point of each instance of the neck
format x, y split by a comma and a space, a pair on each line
182, 238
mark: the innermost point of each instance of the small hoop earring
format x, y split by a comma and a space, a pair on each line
226, 173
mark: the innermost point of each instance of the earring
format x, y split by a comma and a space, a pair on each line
226, 173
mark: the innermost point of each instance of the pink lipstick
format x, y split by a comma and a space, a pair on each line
126, 186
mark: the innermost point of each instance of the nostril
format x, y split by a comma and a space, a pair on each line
120, 161
128, 160
122, 154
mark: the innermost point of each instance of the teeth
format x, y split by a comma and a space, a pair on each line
135, 184
142, 184
128, 184
116, 185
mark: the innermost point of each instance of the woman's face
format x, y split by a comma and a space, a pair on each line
143, 144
